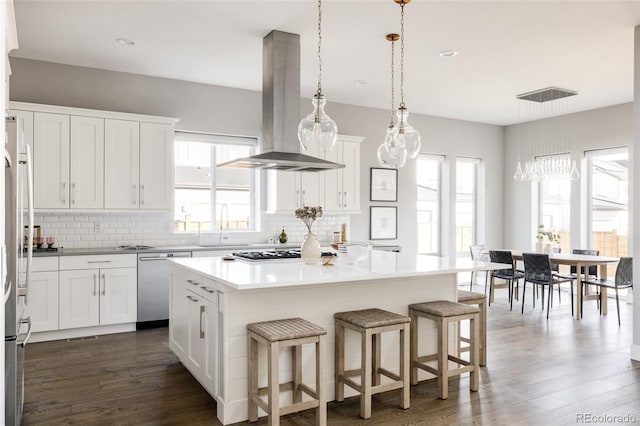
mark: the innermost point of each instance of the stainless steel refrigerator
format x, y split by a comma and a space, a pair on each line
17, 258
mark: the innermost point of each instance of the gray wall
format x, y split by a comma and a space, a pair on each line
233, 111
589, 130
635, 198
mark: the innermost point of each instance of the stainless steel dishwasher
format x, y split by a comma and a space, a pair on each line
153, 288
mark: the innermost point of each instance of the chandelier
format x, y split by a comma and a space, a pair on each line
318, 130
552, 163
402, 141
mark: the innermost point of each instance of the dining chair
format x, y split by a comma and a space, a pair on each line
572, 275
537, 270
623, 279
509, 275
478, 252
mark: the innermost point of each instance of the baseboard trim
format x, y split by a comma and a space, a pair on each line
635, 352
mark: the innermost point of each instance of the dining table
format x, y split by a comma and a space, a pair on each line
581, 263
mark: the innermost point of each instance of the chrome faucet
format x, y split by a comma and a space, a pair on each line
224, 212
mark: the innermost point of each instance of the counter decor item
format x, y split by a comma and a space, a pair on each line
283, 237
310, 250
546, 240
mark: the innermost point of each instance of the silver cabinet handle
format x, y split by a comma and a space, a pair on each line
298, 197
193, 299
303, 194
98, 261
104, 284
192, 282
344, 199
208, 289
201, 314
73, 193
141, 194
94, 284
133, 193
63, 193
339, 200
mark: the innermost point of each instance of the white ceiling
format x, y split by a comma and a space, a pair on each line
505, 47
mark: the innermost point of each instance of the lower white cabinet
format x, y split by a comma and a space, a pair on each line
193, 326
43, 301
94, 297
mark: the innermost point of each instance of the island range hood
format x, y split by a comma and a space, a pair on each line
281, 110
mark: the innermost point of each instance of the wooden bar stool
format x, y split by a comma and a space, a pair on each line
292, 332
371, 323
473, 298
444, 312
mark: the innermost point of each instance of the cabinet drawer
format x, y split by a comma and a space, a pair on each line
201, 286
41, 264
98, 261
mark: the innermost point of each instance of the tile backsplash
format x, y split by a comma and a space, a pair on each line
111, 229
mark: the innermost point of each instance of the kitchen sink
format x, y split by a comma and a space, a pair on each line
134, 248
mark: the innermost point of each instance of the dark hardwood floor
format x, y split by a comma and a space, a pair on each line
539, 372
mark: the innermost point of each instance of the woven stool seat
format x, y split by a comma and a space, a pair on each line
444, 308
468, 296
285, 329
371, 318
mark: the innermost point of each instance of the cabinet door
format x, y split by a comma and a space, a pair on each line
118, 295
178, 315
196, 330
156, 166
310, 188
24, 122
79, 299
43, 300
351, 176
87, 162
50, 160
333, 181
121, 164
283, 190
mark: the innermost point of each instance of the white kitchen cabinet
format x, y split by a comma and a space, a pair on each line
342, 186
51, 160
43, 300
156, 166
193, 327
97, 290
24, 122
79, 298
87, 163
121, 164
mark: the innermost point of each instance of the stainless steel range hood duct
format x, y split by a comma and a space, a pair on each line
281, 110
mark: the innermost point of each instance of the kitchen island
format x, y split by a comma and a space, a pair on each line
212, 301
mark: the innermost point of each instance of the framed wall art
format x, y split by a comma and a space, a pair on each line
384, 184
384, 223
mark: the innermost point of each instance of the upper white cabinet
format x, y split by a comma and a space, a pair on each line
87, 159
335, 190
87, 163
50, 160
342, 186
122, 159
156, 166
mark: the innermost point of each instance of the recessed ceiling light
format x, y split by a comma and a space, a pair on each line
125, 41
448, 53
360, 82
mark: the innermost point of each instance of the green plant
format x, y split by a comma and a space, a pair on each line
551, 236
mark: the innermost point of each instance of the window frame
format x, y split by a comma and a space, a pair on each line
440, 159
254, 184
477, 162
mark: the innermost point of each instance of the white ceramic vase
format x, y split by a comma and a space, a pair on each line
310, 250
539, 247
548, 248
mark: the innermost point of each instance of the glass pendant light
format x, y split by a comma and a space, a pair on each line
405, 135
317, 131
389, 153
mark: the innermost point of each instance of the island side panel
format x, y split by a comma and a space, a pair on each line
318, 304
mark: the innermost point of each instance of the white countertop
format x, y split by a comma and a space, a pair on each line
244, 275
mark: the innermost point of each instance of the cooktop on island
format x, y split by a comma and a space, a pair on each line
273, 254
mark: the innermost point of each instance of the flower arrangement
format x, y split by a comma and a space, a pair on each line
551, 236
309, 215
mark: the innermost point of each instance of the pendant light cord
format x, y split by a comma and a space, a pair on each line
319, 48
393, 94
402, 105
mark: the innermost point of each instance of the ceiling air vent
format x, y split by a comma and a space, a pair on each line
546, 95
